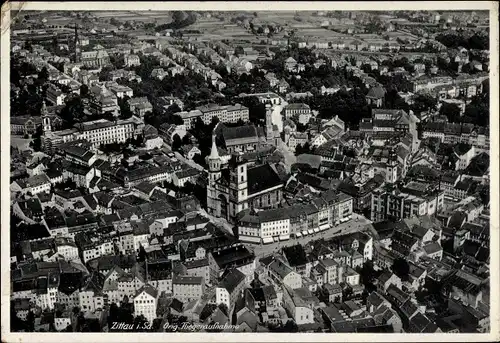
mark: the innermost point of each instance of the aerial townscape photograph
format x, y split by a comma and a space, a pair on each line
250, 171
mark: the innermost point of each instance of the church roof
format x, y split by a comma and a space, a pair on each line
261, 178
239, 132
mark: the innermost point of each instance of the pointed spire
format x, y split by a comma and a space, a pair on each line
44, 108
214, 154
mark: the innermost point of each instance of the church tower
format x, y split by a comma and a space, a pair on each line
47, 126
269, 123
392, 167
76, 46
214, 162
238, 184
214, 173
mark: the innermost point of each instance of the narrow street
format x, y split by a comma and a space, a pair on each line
289, 155
276, 115
219, 222
182, 158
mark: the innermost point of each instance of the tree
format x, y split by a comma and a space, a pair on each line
238, 51
391, 97
36, 144
424, 102
367, 273
104, 74
73, 110
176, 143
401, 268
257, 110
178, 16
112, 314
28, 46
299, 150
43, 75
142, 255
478, 110
290, 326
176, 119
84, 91
198, 159
30, 319
174, 108
186, 140
215, 120
125, 111
302, 149
451, 111
141, 324
80, 322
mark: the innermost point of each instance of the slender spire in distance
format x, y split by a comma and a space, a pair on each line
214, 154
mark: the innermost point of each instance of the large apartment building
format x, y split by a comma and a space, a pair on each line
96, 132
225, 114
413, 200
323, 212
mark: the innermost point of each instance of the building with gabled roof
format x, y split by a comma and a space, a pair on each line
297, 307
283, 274
230, 289
145, 302
91, 296
187, 288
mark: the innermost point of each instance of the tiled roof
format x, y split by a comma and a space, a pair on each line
261, 178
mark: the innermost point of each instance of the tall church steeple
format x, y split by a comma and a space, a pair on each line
392, 166
43, 111
214, 162
214, 153
269, 123
76, 47
47, 125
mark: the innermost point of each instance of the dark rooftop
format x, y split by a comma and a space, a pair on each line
261, 178
295, 255
232, 280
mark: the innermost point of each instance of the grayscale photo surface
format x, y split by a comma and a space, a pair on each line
250, 171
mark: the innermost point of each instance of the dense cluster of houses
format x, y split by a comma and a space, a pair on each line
93, 226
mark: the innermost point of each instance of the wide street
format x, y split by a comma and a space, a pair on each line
357, 223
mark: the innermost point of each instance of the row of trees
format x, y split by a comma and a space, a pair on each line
350, 106
190, 86
245, 83
30, 97
180, 19
477, 112
478, 40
